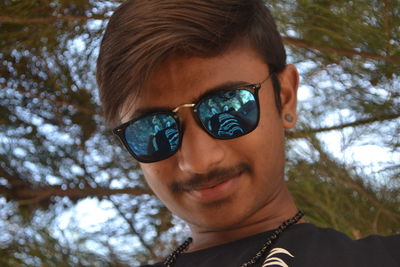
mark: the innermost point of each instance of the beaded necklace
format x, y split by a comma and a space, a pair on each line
170, 260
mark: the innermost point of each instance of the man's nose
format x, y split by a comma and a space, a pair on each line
199, 152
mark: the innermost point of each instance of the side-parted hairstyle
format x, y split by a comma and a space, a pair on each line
143, 33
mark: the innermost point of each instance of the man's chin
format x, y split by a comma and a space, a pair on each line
217, 219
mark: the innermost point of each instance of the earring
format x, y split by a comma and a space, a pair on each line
288, 117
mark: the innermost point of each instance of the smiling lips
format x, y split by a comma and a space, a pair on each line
217, 190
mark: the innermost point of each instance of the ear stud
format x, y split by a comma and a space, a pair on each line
288, 117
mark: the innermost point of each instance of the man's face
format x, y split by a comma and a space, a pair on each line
219, 184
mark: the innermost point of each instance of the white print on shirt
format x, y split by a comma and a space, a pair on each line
269, 260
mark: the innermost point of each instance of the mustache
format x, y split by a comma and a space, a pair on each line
215, 176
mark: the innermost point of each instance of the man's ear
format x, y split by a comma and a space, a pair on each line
289, 80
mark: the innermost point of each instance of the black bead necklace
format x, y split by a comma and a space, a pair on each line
170, 260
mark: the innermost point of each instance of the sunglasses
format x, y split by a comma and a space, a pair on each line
223, 114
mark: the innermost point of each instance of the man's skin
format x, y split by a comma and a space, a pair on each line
224, 189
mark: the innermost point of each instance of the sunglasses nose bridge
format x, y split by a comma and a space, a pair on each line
189, 105
175, 110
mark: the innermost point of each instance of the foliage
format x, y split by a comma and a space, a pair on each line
55, 151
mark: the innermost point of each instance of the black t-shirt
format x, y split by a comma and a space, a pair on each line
302, 245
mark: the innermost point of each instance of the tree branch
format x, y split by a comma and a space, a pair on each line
386, 24
133, 229
29, 195
306, 132
46, 20
341, 173
287, 40
340, 51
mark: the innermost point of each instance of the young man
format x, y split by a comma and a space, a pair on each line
201, 96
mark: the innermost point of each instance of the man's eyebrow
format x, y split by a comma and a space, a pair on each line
223, 86
219, 87
142, 111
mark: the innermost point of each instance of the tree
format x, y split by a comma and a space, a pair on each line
55, 150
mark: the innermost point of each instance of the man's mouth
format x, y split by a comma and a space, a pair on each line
214, 186
216, 190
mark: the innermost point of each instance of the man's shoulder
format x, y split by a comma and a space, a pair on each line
331, 235
390, 244
315, 232
316, 245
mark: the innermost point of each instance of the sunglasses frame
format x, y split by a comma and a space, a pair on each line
119, 131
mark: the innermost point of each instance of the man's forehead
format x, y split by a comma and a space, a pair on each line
164, 80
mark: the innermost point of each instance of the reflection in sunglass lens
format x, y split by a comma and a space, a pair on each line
154, 137
229, 114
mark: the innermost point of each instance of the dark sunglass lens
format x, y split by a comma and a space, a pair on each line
153, 138
229, 114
